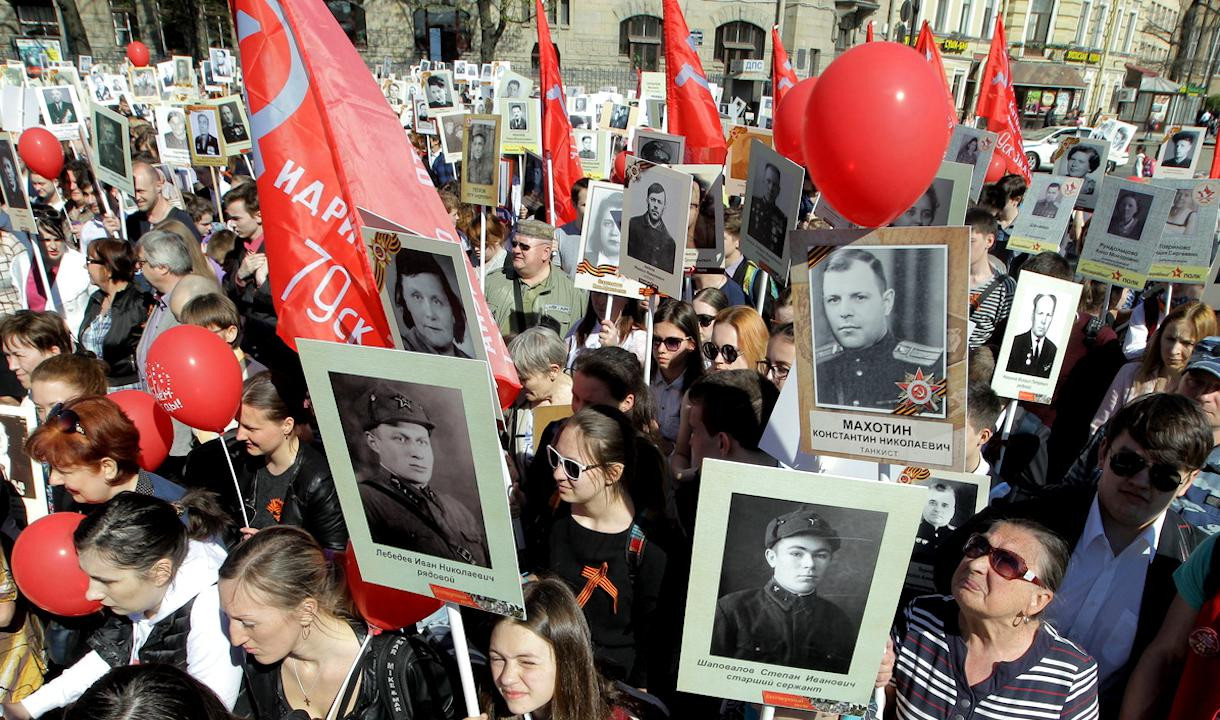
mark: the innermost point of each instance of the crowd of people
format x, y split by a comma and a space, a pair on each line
1079, 592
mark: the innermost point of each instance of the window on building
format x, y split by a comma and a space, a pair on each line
639, 38
442, 33
350, 14
558, 12
1082, 28
37, 20
942, 15
1131, 20
739, 41
988, 26
963, 25
123, 17
1039, 22
534, 61
1099, 20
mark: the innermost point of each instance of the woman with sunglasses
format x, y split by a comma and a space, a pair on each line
707, 303
739, 340
675, 349
93, 451
64, 266
117, 311
986, 649
596, 543
157, 577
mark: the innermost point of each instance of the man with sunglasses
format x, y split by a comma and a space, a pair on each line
532, 291
403, 507
1126, 541
864, 363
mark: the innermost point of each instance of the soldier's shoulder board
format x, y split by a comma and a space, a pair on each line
827, 351
916, 353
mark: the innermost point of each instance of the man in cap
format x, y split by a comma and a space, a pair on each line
402, 508
785, 622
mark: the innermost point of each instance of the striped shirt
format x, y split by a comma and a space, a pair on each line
989, 309
1053, 679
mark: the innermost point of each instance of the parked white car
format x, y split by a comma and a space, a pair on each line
1042, 143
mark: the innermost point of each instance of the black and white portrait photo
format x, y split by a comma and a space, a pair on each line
879, 319
172, 138
110, 145
144, 83
232, 123
451, 127
1085, 159
511, 86
773, 201
60, 110
973, 147
417, 485
438, 89
1033, 353
580, 104
658, 147
653, 242
183, 77
203, 132
619, 115
656, 211
1047, 206
479, 163
517, 116
1179, 151
427, 304
794, 582
222, 64
10, 177
603, 224
481, 160
586, 144
1130, 214
949, 504
931, 209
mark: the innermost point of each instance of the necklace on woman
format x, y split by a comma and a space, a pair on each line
293, 668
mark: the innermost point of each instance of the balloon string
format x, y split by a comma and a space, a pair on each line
241, 503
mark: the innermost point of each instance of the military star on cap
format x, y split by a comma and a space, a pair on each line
404, 403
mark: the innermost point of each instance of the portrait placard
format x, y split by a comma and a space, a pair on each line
1084, 160
601, 243
819, 646
705, 249
424, 125
1123, 233
165, 79
973, 147
511, 86
13, 74
944, 203
1115, 132
222, 64
521, 127
481, 141
438, 89
654, 114
234, 127
144, 84
23, 472
173, 141
656, 206
13, 185
1039, 326
67, 75
658, 147
618, 117
377, 409
652, 85
737, 160
953, 498
1045, 213
112, 149
184, 74
60, 111
593, 149
881, 322
772, 207
451, 126
426, 294
1179, 152
1184, 250
202, 122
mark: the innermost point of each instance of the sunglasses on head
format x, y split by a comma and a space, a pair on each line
1162, 476
1007, 564
64, 419
671, 343
572, 468
730, 353
706, 320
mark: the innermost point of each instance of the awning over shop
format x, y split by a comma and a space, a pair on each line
1026, 73
1158, 84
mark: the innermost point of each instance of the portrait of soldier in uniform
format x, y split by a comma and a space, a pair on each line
1181, 150
231, 125
59, 106
937, 521
480, 165
1032, 353
408, 500
768, 223
786, 621
1048, 205
860, 368
588, 150
650, 241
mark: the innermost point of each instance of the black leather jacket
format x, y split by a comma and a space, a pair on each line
128, 313
310, 502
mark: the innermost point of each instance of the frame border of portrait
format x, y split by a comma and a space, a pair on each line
925, 477
451, 157
734, 185
37, 506
643, 135
815, 246
598, 169
123, 182
979, 168
227, 148
666, 283
519, 142
22, 218
777, 265
178, 158
190, 64
131, 83
383, 245
496, 589
606, 112
1129, 275
707, 258
205, 160
61, 131
482, 194
1203, 240
1160, 171
447, 75
902, 505
1059, 166
1029, 388
222, 79
1041, 239
603, 278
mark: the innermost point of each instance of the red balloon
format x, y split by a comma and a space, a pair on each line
137, 53
47, 569
384, 607
195, 377
890, 92
155, 425
997, 168
41, 152
789, 122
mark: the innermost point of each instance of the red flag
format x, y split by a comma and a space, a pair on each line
998, 103
868, 37
556, 127
689, 105
325, 144
926, 45
783, 77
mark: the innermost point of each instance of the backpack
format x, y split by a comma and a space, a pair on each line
433, 671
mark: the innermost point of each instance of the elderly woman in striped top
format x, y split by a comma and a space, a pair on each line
984, 652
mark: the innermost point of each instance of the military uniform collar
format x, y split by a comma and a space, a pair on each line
785, 599
883, 347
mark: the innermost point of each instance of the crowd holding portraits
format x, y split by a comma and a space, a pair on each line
773, 197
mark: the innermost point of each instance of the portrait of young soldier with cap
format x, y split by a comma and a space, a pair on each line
786, 622
404, 507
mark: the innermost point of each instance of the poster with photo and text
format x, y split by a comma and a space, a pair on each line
1124, 232
973, 147
1044, 214
1178, 156
1039, 328
953, 498
1085, 161
656, 209
1184, 251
